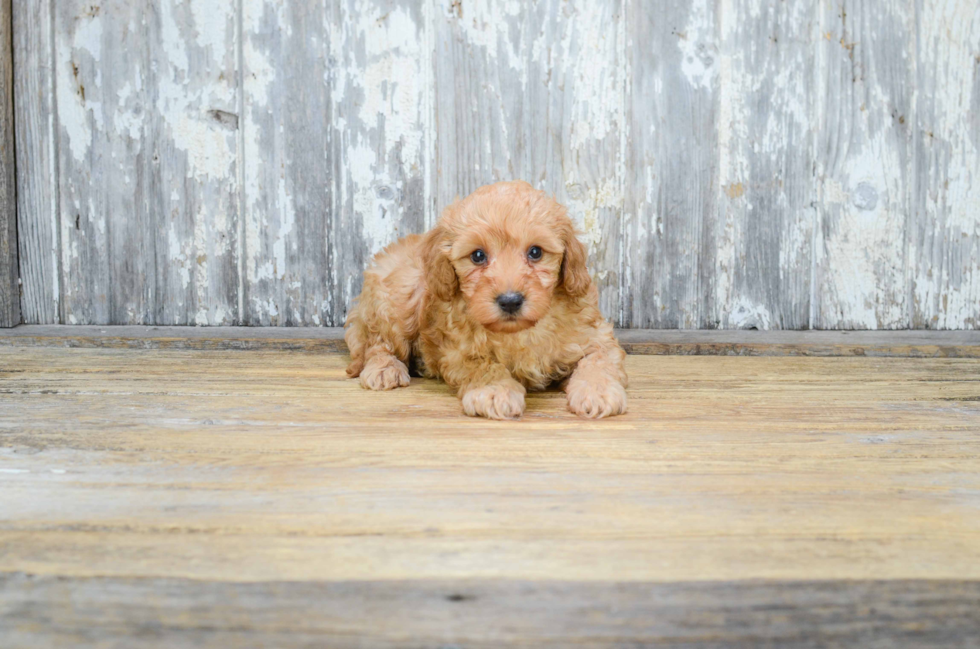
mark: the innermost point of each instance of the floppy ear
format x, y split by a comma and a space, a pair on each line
440, 276
574, 272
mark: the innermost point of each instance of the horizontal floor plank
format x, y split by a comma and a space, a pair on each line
41, 612
913, 344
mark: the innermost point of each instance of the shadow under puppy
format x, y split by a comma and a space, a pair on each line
495, 300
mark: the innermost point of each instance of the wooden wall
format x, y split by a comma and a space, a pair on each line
731, 163
9, 286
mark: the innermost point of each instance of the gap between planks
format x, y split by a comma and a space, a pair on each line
904, 344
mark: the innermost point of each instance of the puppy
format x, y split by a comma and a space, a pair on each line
495, 300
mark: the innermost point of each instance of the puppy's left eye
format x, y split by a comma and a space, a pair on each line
534, 253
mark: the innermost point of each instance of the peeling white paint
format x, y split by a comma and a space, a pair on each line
697, 45
287, 221
586, 206
75, 109
745, 314
597, 76
211, 150
381, 71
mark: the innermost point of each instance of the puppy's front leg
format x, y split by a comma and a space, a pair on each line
488, 390
597, 387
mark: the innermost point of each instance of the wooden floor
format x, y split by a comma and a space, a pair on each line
221, 498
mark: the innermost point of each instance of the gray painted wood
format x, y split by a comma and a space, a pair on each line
147, 141
41, 611
288, 77
37, 183
945, 235
10, 314
765, 213
672, 163
731, 163
864, 103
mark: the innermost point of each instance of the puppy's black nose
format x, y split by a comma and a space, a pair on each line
511, 302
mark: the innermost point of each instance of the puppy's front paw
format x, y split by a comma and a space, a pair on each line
384, 373
494, 402
596, 400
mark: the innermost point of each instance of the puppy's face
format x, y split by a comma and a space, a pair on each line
508, 269
511, 248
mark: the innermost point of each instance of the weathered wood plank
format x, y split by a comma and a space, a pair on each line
863, 161
672, 164
44, 612
190, 163
945, 249
208, 498
37, 184
481, 80
288, 126
733, 164
767, 64
146, 100
227, 466
9, 267
914, 344
88, 44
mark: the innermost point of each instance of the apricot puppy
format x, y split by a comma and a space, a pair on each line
495, 300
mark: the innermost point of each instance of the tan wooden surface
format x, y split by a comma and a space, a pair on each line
198, 476
919, 344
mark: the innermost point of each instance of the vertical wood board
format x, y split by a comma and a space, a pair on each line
672, 162
765, 211
863, 162
37, 180
945, 244
10, 314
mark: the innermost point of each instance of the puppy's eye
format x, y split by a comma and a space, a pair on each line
478, 257
534, 253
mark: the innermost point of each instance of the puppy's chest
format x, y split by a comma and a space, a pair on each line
535, 360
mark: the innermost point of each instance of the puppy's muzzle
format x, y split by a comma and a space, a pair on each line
510, 303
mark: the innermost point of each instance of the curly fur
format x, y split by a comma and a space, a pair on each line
424, 298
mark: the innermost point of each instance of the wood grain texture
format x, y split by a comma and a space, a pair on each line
863, 165
910, 344
672, 164
37, 185
10, 314
764, 235
945, 235
44, 612
732, 163
288, 71
181, 496
147, 146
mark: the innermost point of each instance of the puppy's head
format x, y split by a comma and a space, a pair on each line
507, 249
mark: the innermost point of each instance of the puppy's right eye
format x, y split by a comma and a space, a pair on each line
478, 257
